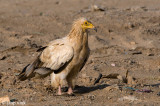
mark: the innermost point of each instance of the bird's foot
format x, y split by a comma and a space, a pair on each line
65, 94
71, 94
58, 94
62, 94
70, 91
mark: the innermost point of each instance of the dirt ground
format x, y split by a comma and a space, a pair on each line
128, 39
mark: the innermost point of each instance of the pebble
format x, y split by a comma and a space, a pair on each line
132, 43
3, 57
91, 97
4, 99
130, 80
113, 64
110, 88
97, 8
130, 98
121, 78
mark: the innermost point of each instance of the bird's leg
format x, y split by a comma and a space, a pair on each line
70, 89
70, 85
59, 90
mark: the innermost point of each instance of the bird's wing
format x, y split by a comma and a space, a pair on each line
55, 56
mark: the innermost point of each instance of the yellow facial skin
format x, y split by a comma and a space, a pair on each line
87, 25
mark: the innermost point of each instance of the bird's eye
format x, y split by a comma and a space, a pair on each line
85, 23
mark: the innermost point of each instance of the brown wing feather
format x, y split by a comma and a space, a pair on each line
28, 71
41, 49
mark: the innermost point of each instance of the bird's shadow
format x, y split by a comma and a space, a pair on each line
83, 89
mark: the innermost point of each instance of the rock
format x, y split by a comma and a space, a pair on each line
132, 43
109, 98
150, 54
130, 80
34, 93
111, 76
13, 100
136, 53
3, 57
91, 97
121, 78
130, 98
97, 8
109, 88
4, 99
57, 2
16, 74
113, 64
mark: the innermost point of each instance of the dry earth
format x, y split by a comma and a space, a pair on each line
128, 38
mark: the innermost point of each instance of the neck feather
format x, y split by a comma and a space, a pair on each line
76, 31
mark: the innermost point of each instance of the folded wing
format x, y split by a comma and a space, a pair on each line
52, 59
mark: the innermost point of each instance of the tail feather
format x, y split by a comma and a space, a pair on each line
22, 76
33, 70
28, 71
42, 72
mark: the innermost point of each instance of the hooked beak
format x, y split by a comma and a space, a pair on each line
95, 29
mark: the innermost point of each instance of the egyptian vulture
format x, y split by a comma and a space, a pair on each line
62, 58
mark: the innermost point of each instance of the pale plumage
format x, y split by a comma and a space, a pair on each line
56, 55
62, 58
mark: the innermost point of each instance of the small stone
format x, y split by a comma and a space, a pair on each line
4, 99
121, 78
150, 54
97, 8
130, 80
16, 74
130, 98
108, 88
3, 57
34, 93
109, 98
13, 100
132, 43
57, 2
111, 88
113, 64
91, 97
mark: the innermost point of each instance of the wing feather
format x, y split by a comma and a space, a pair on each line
55, 56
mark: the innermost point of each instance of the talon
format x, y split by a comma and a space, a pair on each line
72, 94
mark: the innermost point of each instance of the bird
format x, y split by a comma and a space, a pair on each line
62, 58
